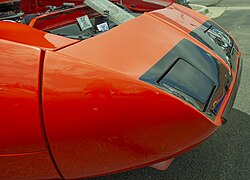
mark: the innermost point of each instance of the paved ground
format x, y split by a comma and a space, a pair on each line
226, 155
222, 2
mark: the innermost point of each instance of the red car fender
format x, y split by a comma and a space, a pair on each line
100, 121
21, 135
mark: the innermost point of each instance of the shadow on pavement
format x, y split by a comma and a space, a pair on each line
226, 155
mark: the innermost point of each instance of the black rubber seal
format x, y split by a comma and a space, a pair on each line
230, 104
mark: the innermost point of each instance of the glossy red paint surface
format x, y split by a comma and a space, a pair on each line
98, 117
100, 121
179, 18
160, 34
24, 34
93, 102
23, 149
125, 57
20, 130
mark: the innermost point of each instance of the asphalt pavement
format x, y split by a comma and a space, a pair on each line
223, 3
226, 155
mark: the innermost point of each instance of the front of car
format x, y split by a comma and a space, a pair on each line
147, 89
122, 90
225, 73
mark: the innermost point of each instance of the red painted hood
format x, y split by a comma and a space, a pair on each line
145, 40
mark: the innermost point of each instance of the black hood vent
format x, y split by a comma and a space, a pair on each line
193, 75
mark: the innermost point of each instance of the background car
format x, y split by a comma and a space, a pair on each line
38, 6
